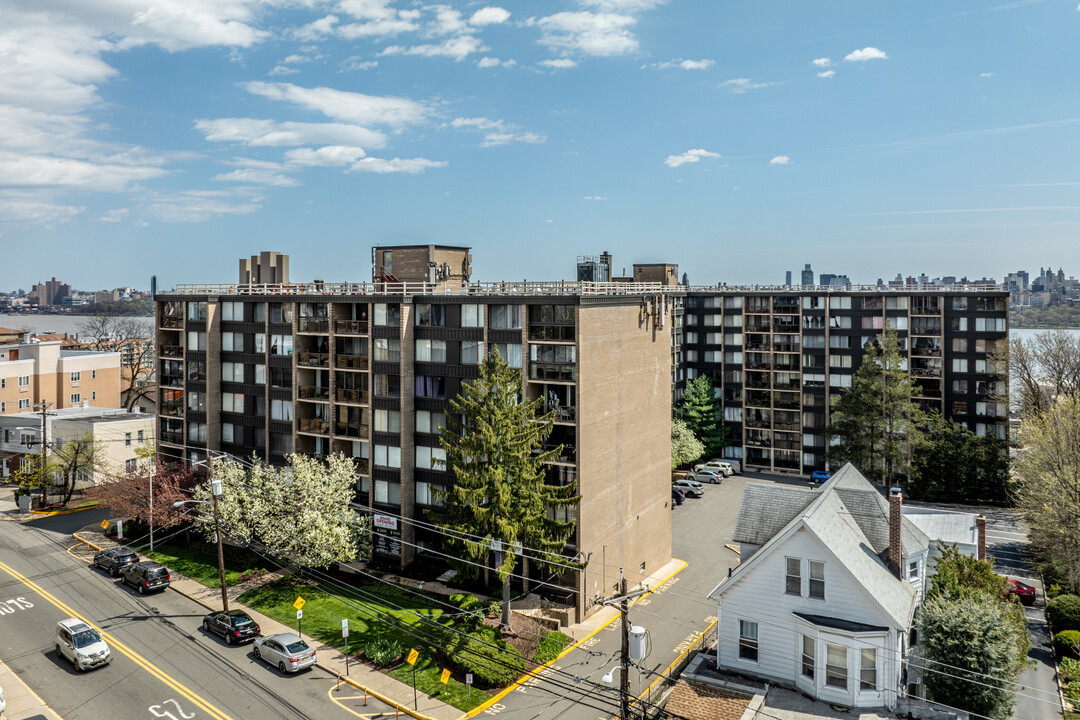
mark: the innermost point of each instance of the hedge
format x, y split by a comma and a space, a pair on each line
1063, 613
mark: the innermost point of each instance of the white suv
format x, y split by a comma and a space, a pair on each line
81, 644
689, 487
722, 467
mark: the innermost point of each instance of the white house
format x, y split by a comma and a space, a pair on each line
825, 594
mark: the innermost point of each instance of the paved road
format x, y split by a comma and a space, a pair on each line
164, 665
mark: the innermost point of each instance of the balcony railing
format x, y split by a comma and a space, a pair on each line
351, 362
312, 392
352, 396
351, 327
174, 437
319, 326
172, 323
314, 425
172, 351
176, 380
172, 408
926, 372
563, 413
310, 359
350, 430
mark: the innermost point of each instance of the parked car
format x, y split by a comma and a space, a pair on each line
145, 576
235, 626
677, 496
819, 476
3, 705
286, 651
1024, 593
115, 559
714, 477
723, 467
80, 644
689, 487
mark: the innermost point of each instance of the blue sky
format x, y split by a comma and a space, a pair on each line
738, 140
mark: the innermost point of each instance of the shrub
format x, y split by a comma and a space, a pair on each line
1067, 644
382, 651
1063, 613
493, 663
550, 647
465, 601
492, 608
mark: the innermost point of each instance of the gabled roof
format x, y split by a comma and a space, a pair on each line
871, 511
766, 509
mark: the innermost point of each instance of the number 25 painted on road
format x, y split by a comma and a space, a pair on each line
9, 606
154, 710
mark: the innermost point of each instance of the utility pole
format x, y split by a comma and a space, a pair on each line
44, 405
624, 689
215, 490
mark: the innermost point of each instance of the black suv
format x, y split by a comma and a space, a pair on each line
146, 576
235, 626
115, 559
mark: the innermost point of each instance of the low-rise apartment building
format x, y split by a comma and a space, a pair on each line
36, 373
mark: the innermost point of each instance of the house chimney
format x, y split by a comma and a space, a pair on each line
896, 503
980, 527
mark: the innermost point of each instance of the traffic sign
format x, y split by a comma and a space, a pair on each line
413, 654
104, 524
300, 602
344, 627
468, 678
445, 677
299, 614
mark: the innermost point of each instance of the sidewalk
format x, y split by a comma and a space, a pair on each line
22, 702
331, 660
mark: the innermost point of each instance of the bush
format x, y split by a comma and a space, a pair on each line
1063, 613
382, 651
1067, 644
492, 608
494, 663
465, 601
550, 647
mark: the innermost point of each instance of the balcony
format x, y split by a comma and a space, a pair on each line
351, 327
312, 392
172, 351
351, 430
172, 323
175, 437
313, 425
172, 408
755, 325
349, 395
310, 359
172, 380
351, 362
563, 413
315, 326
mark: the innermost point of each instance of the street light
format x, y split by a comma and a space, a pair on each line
215, 489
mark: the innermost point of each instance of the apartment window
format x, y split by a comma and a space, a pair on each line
426, 495
431, 351
714, 320
913, 570
280, 377
808, 656
959, 324
196, 401
506, 317
813, 341
875, 322
840, 361
232, 372
3, 383
281, 409
24, 403
989, 324
691, 338
836, 666
733, 321
280, 443
430, 458
959, 365
281, 345
748, 640
564, 354
75, 398
868, 669
386, 385
24, 380
260, 407
430, 315
281, 312
733, 414
959, 407
3, 407
260, 342
817, 579
141, 435
472, 315
93, 394
75, 376
896, 303
793, 579
233, 402
959, 345
228, 433
196, 431
260, 374
387, 456
387, 350
510, 352
196, 340
731, 338
387, 315
898, 323
131, 465
840, 303
387, 421
429, 422
843, 381
430, 386
127, 439
959, 303
472, 352
93, 374
840, 341
960, 387
732, 303
232, 311
842, 321
733, 358
196, 311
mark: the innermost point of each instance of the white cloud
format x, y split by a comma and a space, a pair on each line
986, 75
295, 60
268, 133
559, 64
703, 64
355, 63
115, 215
344, 105
827, 74
867, 53
821, 62
457, 48
741, 85
26, 170
595, 197
690, 156
495, 139
489, 16
201, 205
780, 160
599, 34
405, 165
623, 6
316, 30
26, 208
376, 19
327, 156
261, 176
490, 62
280, 70
497, 132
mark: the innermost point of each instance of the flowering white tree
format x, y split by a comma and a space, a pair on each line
300, 511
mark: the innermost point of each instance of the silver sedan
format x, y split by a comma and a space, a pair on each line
288, 652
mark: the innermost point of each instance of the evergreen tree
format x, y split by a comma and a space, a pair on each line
499, 500
876, 421
956, 465
700, 410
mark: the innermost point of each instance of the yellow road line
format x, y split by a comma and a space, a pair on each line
336, 700
135, 657
71, 551
385, 699
566, 651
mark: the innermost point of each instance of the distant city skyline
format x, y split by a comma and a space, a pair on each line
737, 140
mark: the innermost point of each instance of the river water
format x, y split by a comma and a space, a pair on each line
49, 323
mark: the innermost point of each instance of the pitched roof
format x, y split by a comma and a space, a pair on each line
767, 508
871, 510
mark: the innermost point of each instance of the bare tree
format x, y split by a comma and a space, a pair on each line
75, 460
133, 338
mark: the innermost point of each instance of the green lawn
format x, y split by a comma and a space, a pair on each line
371, 616
199, 565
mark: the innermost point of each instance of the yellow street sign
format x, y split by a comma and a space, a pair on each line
413, 654
104, 524
445, 677
300, 602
